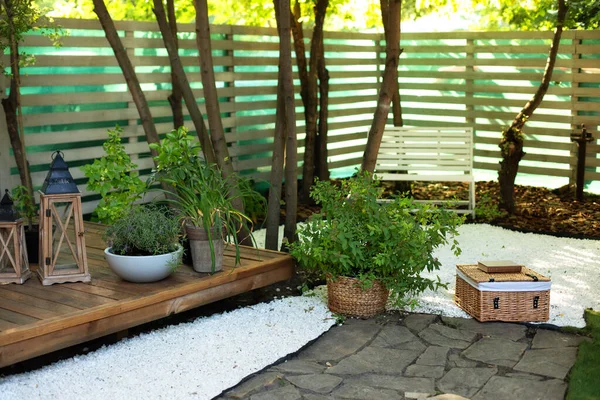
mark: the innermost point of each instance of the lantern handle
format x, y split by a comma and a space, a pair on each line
57, 152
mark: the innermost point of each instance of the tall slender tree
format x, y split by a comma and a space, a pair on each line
511, 144
176, 96
128, 72
181, 78
309, 74
391, 11
287, 108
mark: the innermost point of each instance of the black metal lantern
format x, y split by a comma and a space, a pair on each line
59, 180
7, 209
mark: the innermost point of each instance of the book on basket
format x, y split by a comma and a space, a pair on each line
499, 266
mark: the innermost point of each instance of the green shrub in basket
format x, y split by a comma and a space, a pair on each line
355, 235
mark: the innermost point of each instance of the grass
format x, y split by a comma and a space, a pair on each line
584, 383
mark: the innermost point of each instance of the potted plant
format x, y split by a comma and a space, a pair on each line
26, 207
144, 244
367, 249
203, 198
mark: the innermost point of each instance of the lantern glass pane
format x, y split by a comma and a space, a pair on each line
64, 245
7, 251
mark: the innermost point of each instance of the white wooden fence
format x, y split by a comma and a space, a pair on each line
479, 79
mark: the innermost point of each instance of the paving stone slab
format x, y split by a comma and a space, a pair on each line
522, 375
434, 355
341, 341
416, 396
400, 383
393, 335
502, 330
296, 366
456, 360
287, 392
425, 371
311, 396
361, 392
504, 388
465, 381
375, 359
545, 339
496, 351
418, 322
554, 363
320, 383
441, 335
447, 396
253, 384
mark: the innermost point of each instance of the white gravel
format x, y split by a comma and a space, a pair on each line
196, 360
572, 264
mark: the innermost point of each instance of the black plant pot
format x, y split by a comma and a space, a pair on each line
32, 241
187, 252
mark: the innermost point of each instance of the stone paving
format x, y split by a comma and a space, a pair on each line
421, 357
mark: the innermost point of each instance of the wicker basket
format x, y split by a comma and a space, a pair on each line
509, 306
346, 297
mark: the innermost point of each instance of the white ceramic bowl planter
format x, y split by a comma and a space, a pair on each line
142, 269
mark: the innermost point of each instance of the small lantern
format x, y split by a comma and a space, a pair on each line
62, 244
14, 266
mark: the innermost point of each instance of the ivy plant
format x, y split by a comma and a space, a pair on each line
356, 235
115, 178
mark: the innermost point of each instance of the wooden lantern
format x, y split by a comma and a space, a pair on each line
14, 266
62, 243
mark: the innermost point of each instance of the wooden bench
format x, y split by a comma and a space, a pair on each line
430, 155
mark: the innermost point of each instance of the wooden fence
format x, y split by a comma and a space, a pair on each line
76, 92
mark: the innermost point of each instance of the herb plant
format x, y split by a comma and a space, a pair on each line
357, 236
25, 204
144, 230
115, 178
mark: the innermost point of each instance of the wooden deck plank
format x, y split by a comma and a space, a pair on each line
39, 319
100, 291
27, 309
4, 325
50, 341
36, 302
17, 318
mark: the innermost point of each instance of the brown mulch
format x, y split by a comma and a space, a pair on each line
539, 209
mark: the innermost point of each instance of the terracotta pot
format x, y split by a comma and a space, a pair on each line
202, 258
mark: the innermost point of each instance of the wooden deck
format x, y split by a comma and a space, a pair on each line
36, 319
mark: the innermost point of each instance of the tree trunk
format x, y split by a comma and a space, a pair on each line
308, 93
211, 98
184, 85
176, 97
217, 134
321, 158
511, 144
396, 104
392, 51
273, 205
291, 146
128, 72
12, 105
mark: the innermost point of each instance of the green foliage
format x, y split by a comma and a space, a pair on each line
22, 17
114, 177
144, 230
583, 380
357, 236
255, 204
24, 203
198, 190
487, 209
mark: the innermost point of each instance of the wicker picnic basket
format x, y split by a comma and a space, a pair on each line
345, 296
509, 297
